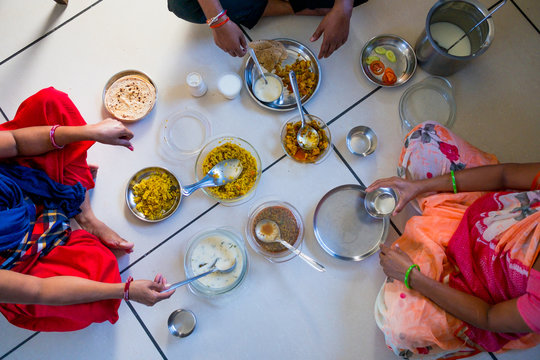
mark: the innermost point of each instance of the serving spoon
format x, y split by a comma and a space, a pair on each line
212, 270
268, 232
222, 173
307, 137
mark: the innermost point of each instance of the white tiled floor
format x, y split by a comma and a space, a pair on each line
281, 311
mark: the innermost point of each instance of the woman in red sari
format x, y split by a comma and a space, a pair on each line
53, 278
476, 286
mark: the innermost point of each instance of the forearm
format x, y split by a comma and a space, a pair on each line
346, 5
58, 290
36, 140
502, 317
484, 178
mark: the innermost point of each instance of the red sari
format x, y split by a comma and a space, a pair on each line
83, 255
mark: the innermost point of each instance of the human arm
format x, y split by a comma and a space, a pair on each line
66, 290
228, 37
35, 140
482, 178
335, 27
501, 317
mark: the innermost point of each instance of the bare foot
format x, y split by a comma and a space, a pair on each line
108, 237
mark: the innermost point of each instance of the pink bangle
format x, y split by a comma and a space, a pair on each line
126, 288
51, 135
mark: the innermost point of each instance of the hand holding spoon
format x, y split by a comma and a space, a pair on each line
307, 137
222, 173
268, 231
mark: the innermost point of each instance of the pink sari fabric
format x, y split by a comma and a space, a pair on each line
412, 325
493, 249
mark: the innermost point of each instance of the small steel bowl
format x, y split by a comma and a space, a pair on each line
381, 202
181, 322
120, 75
404, 66
361, 141
137, 178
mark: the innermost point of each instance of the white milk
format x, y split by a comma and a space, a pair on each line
446, 34
230, 85
267, 92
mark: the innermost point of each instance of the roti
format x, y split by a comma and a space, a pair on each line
269, 53
130, 98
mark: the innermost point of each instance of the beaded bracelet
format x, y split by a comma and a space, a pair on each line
126, 288
409, 273
453, 181
214, 19
51, 136
220, 24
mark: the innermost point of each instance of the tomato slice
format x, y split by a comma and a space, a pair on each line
389, 77
376, 67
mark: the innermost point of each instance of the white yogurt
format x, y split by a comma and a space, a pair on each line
268, 92
205, 253
230, 85
446, 34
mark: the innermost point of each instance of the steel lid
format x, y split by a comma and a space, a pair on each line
342, 226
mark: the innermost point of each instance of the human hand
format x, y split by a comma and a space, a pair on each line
112, 132
406, 190
395, 262
149, 292
230, 39
335, 27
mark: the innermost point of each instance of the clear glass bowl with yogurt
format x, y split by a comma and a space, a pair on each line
225, 244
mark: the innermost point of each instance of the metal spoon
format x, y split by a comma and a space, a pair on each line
307, 137
475, 26
222, 173
254, 57
268, 231
213, 269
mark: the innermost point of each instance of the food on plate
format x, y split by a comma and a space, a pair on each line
206, 251
371, 59
155, 195
294, 150
307, 80
380, 50
288, 227
131, 97
389, 77
243, 184
377, 67
390, 55
269, 53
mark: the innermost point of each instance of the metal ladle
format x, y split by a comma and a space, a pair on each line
212, 270
268, 232
222, 173
307, 137
475, 26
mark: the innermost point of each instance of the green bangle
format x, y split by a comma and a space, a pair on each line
409, 273
453, 181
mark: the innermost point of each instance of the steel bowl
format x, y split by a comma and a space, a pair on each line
381, 202
361, 141
404, 66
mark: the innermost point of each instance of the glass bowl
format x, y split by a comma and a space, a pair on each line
283, 214
183, 134
203, 248
211, 145
322, 129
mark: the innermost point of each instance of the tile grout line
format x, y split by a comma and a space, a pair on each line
354, 105
146, 330
525, 16
20, 344
492, 355
4, 114
49, 32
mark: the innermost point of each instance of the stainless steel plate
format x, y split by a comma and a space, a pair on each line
404, 66
137, 178
295, 50
342, 226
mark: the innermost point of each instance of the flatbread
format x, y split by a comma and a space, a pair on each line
269, 53
130, 98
